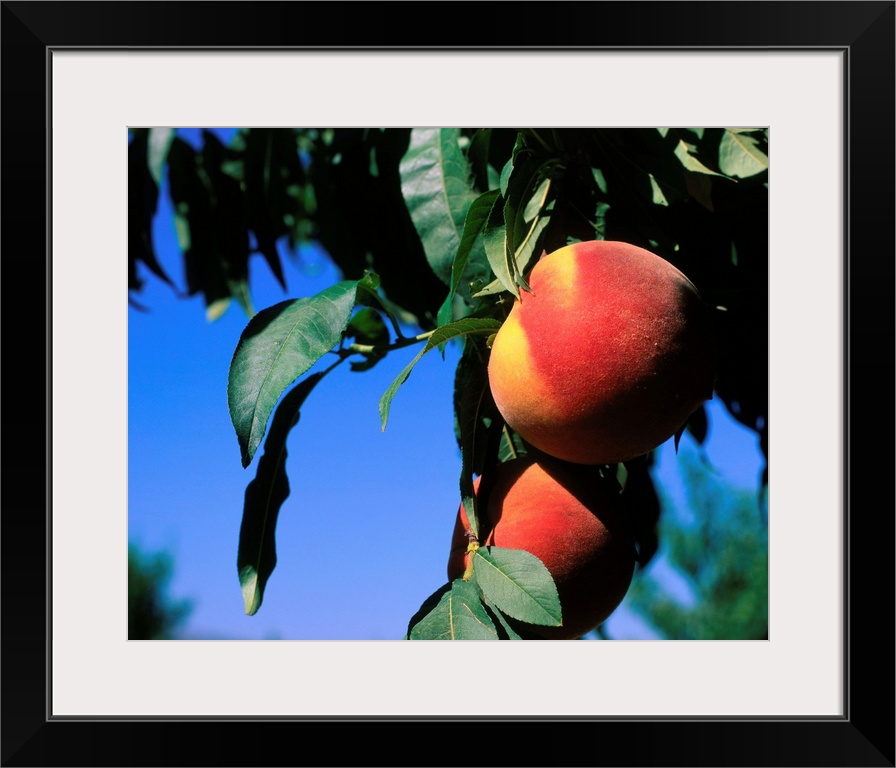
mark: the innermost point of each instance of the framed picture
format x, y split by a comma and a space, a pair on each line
818, 75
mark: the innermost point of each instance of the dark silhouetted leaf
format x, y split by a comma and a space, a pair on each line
470, 393
697, 425
642, 504
257, 554
477, 156
274, 183
229, 223
362, 221
198, 217
143, 198
678, 435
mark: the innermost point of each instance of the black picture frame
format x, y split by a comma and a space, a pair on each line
864, 736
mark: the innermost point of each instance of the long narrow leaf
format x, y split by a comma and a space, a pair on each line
474, 224
462, 327
530, 251
470, 390
257, 554
435, 183
277, 346
494, 238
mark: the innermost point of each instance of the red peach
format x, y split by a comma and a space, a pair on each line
607, 357
566, 516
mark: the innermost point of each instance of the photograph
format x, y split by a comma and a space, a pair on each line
395, 367
575, 319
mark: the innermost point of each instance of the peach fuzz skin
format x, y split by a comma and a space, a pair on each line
607, 357
565, 516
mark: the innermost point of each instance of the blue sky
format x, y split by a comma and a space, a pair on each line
363, 538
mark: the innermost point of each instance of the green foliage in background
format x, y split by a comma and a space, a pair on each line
718, 542
152, 613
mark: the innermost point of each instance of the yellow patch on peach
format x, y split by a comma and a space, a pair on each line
511, 361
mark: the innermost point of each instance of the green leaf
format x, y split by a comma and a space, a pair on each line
518, 584
530, 250
143, 197
512, 634
277, 346
494, 287
477, 155
658, 197
426, 608
368, 295
159, 141
464, 327
367, 327
272, 177
600, 219
511, 446
690, 162
470, 390
435, 183
507, 170
494, 238
524, 198
740, 154
474, 224
459, 615
501, 242
536, 200
257, 554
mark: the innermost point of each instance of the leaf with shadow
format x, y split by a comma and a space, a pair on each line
279, 345
230, 226
472, 406
195, 225
458, 615
435, 184
427, 607
368, 327
361, 219
257, 554
274, 181
470, 267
